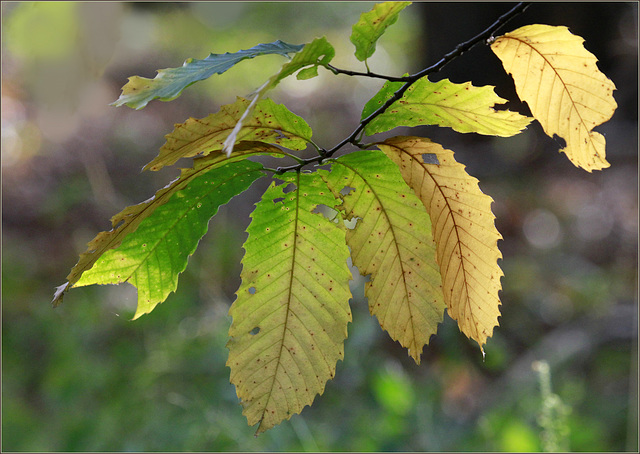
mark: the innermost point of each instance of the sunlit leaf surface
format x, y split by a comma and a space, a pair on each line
560, 81
391, 242
269, 122
462, 107
317, 53
372, 25
463, 230
150, 243
291, 312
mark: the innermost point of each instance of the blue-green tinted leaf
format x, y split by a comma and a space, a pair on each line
169, 83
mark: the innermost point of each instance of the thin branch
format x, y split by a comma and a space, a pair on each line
369, 74
300, 165
410, 80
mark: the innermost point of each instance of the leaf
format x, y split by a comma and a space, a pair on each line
269, 122
291, 312
372, 25
560, 81
391, 242
463, 230
317, 53
169, 83
150, 242
462, 107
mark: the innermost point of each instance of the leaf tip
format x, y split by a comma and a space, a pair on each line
140, 312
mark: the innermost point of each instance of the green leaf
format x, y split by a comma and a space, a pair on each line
462, 107
291, 312
463, 229
371, 26
317, 53
169, 83
392, 242
269, 122
150, 242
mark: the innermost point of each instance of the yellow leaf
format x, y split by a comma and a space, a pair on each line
463, 230
392, 243
561, 83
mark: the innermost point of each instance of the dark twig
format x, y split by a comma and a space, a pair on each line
409, 80
367, 74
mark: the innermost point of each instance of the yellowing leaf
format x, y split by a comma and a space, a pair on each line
391, 242
561, 83
463, 230
291, 312
269, 122
462, 107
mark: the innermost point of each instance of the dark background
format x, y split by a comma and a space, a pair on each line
85, 378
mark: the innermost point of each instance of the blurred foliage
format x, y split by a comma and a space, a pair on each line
85, 378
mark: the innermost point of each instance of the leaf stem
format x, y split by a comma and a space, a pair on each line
294, 157
300, 165
367, 74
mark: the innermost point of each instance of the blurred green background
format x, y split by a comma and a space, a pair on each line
83, 377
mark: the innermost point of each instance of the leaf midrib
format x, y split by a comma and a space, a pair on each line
453, 220
290, 288
456, 227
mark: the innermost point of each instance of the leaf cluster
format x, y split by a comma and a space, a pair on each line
403, 210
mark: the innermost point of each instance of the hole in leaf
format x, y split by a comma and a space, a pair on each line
347, 190
325, 211
430, 158
560, 140
252, 290
351, 223
255, 331
278, 199
290, 187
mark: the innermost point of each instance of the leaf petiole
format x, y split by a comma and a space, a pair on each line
370, 74
294, 157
